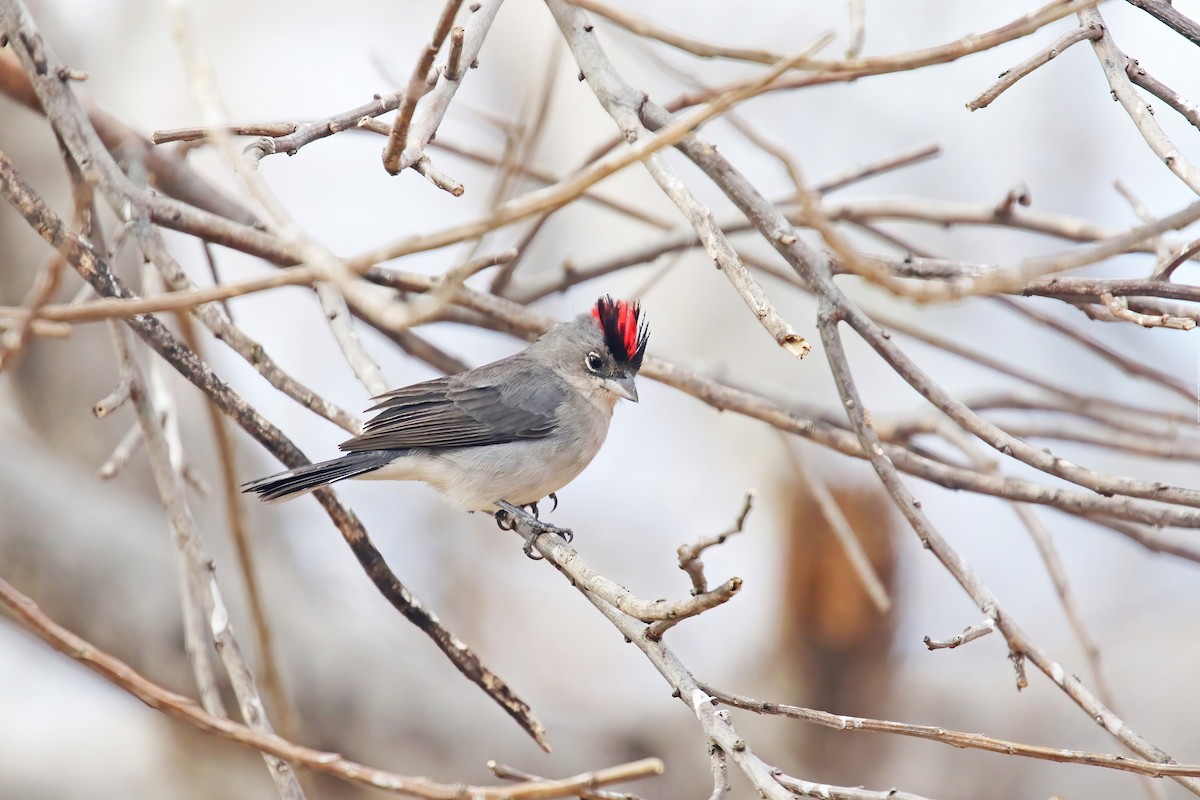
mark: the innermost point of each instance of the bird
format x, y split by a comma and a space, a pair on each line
514, 431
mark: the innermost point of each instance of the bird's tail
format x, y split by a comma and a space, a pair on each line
293, 483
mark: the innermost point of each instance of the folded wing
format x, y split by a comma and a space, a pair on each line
492, 406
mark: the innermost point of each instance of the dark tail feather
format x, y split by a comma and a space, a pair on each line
286, 485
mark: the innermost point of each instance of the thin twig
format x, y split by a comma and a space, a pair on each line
720, 773
689, 554
410, 134
858, 28
112, 401
848, 724
1167, 14
825, 791
968, 635
1010, 76
418, 86
1137, 73
1114, 62
636, 769
862, 172
1119, 307
121, 454
1130, 366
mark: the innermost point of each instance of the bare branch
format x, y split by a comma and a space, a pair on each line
1166, 13
1114, 64
186, 710
409, 136
968, 635
199, 571
1010, 76
952, 738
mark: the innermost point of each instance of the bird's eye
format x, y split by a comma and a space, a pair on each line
593, 362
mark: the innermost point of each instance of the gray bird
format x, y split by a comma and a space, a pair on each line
516, 430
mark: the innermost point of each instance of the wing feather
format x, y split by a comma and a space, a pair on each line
499, 403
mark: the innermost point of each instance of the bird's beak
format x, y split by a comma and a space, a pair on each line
622, 387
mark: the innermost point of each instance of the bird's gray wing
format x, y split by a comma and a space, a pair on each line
495, 404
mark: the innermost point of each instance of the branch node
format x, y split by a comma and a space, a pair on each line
1018, 662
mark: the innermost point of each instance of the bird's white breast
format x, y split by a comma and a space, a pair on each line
520, 472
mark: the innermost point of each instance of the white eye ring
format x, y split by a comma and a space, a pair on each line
593, 362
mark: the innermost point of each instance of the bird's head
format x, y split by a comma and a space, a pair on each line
601, 350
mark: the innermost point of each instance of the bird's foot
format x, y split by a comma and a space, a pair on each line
506, 519
545, 527
554, 497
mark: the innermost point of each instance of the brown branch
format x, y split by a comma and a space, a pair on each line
645, 28
1119, 308
1010, 76
1167, 14
280, 137
968, 635
186, 710
636, 769
406, 143
290, 137
199, 571
1139, 76
1114, 63
573, 186
871, 169
953, 738
418, 86
804, 259
49, 278
824, 72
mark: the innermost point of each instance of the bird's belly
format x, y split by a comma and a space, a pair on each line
474, 478
519, 472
